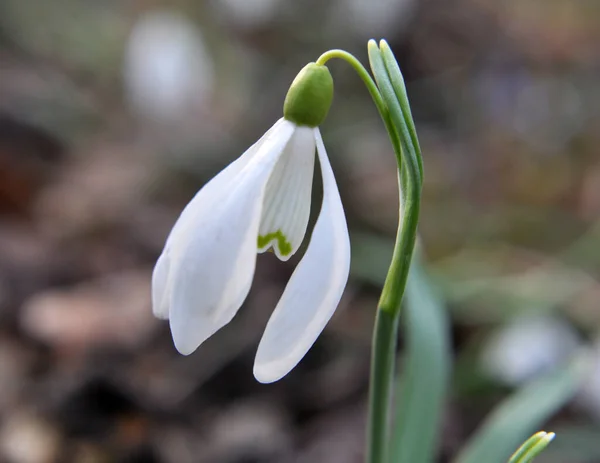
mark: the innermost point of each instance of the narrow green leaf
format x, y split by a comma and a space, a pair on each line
538, 448
399, 109
410, 198
424, 384
532, 447
397, 80
519, 415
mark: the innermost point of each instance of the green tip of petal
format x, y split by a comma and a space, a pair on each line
283, 245
309, 98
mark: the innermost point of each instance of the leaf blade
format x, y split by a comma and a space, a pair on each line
520, 414
424, 385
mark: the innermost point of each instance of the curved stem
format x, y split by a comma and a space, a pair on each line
395, 283
373, 90
392, 108
360, 70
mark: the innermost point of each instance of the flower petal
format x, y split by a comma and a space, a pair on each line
315, 289
208, 196
221, 184
212, 252
287, 199
160, 303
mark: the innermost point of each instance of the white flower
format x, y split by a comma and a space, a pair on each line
206, 268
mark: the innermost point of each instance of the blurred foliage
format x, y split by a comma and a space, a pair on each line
525, 410
425, 378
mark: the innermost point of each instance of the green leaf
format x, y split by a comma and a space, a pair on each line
422, 390
532, 447
399, 87
519, 415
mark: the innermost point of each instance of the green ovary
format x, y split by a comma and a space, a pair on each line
284, 246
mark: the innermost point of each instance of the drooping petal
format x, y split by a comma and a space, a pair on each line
160, 303
221, 184
315, 289
209, 196
213, 252
287, 199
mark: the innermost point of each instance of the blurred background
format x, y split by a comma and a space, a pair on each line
114, 113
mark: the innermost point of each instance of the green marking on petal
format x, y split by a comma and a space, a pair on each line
284, 246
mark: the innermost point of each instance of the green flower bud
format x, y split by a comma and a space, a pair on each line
309, 97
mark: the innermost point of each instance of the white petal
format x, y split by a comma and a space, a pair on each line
212, 252
160, 303
287, 199
315, 289
210, 193
208, 196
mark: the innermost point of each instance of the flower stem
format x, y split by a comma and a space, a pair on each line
365, 77
389, 96
410, 184
383, 359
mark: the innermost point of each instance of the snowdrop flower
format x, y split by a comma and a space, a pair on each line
261, 201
